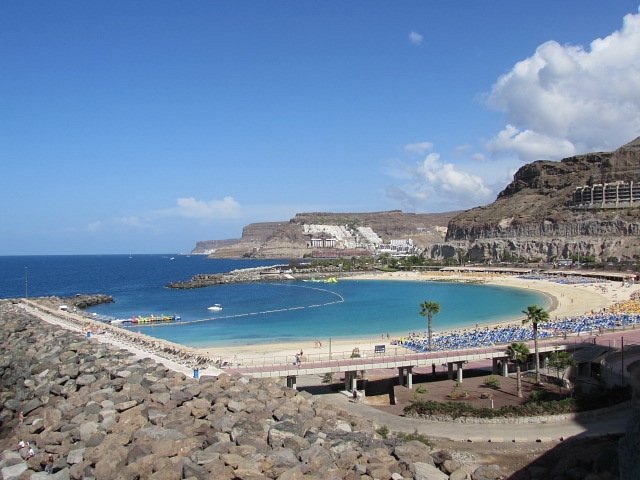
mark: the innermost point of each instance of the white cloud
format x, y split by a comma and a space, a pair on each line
446, 177
462, 150
189, 207
94, 227
566, 99
131, 221
434, 185
415, 38
420, 148
529, 145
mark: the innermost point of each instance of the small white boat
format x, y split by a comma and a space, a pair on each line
215, 308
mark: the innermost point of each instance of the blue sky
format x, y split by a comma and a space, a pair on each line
146, 126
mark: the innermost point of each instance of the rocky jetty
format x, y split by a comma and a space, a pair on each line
88, 410
257, 274
208, 279
80, 300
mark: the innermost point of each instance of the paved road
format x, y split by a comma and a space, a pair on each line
614, 422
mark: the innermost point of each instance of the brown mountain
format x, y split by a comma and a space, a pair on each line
586, 205
288, 239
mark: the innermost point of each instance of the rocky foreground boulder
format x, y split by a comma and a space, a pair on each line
87, 410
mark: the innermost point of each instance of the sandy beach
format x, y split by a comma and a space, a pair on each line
564, 300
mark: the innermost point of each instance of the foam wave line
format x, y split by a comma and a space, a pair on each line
339, 299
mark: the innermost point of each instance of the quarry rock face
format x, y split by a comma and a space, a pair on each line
536, 216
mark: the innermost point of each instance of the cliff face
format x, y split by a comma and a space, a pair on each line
535, 216
288, 239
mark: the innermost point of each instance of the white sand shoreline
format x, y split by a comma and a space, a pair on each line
566, 300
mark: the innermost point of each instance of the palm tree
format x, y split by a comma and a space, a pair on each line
536, 315
518, 353
429, 309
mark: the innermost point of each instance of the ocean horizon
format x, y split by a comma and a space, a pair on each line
257, 313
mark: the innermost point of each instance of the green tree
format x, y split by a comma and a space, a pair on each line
429, 309
518, 353
536, 314
560, 360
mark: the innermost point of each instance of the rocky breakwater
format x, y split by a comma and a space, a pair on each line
244, 275
91, 411
257, 274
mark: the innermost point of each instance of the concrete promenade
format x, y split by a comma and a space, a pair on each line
611, 423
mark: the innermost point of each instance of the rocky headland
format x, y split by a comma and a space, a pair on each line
287, 239
539, 217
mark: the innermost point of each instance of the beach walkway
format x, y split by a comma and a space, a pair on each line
553, 430
403, 363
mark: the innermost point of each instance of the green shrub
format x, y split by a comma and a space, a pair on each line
421, 389
457, 392
492, 382
539, 404
383, 431
407, 437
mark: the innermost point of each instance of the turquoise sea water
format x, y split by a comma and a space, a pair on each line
261, 312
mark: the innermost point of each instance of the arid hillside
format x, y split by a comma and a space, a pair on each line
289, 240
587, 205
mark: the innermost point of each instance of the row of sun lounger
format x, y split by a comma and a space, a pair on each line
485, 337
